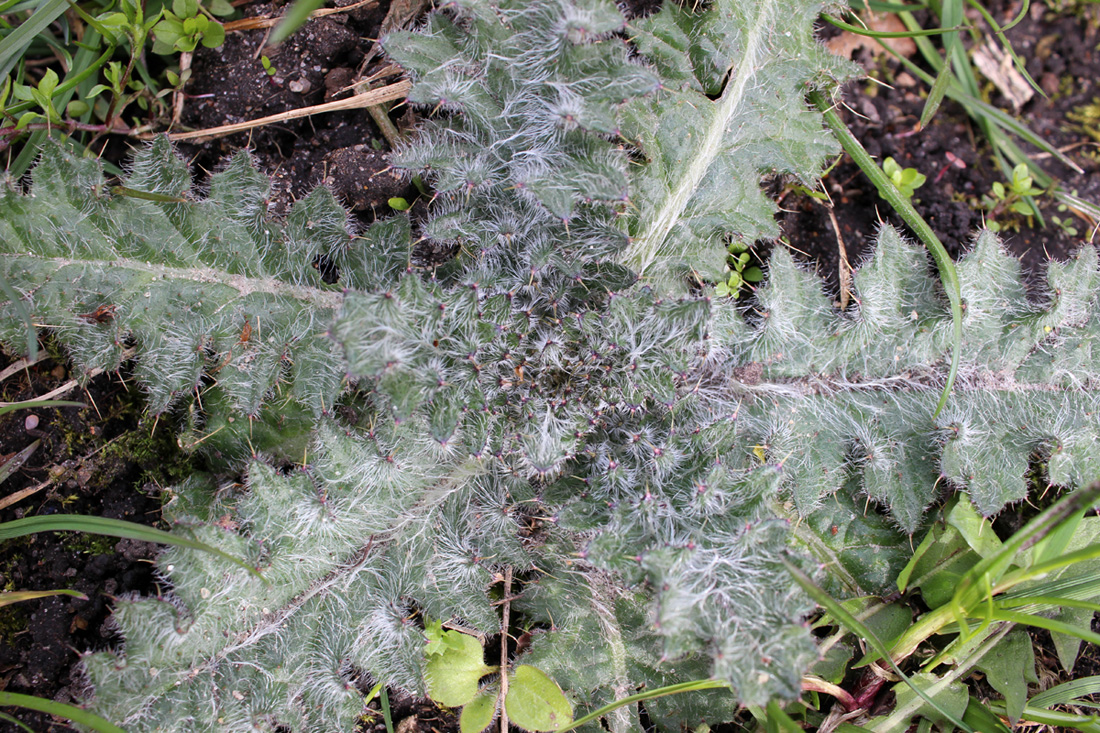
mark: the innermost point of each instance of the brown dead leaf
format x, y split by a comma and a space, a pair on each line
847, 43
998, 67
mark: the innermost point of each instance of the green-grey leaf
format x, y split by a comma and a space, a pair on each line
732, 110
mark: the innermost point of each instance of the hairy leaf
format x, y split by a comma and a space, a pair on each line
635, 452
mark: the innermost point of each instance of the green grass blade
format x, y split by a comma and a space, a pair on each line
294, 19
877, 6
1056, 719
1024, 7
927, 50
110, 528
779, 721
1043, 604
861, 31
11, 465
18, 724
642, 696
857, 627
976, 108
1091, 552
1055, 543
982, 718
999, 32
1067, 692
1075, 202
1027, 619
935, 96
6, 407
61, 710
948, 276
907, 571
1075, 587
14, 44
18, 596
991, 569
384, 701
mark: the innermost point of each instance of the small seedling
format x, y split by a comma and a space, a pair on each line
906, 180
269, 68
1010, 199
741, 272
123, 89
184, 27
178, 80
397, 203
42, 95
1066, 224
455, 664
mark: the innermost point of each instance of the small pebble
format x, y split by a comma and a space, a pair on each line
31, 422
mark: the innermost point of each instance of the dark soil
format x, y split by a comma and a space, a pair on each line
99, 461
1060, 49
100, 468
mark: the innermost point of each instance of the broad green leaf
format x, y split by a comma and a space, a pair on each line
535, 702
975, 529
479, 713
887, 623
1084, 532
1008, 668
938, 571
453, 676
18, 596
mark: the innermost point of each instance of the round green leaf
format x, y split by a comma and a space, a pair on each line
220, 8
213, 35
535, 702
76, 108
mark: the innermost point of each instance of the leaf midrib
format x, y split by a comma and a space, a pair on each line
243, 284
646, 246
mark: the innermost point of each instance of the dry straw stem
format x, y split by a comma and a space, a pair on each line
22, 494
388, 93
251, 24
